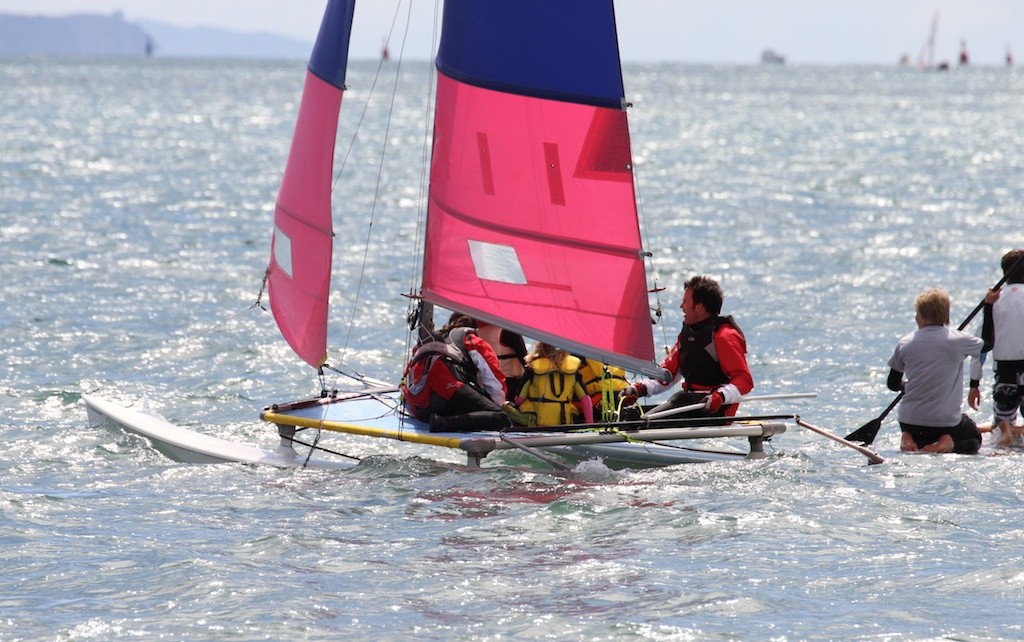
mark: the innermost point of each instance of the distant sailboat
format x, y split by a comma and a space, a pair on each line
926, 58
772, 57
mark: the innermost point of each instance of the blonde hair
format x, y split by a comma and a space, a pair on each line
933, 306
543, 350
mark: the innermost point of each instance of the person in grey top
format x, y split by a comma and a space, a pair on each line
928, 366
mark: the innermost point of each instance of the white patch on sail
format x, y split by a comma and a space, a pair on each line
283, 251
496, 262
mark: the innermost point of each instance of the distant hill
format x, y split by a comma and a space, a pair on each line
78, 34
210, 42
112, 35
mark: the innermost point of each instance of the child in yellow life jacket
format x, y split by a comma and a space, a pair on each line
552, 392
603, 382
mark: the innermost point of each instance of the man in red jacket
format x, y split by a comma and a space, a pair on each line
709, 356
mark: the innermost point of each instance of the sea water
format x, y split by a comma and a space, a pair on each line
136, 200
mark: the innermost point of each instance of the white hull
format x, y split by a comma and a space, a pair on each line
184, 445
633, 455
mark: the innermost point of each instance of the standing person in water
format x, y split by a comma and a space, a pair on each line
1002, 330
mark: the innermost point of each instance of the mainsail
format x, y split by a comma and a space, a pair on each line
532, 220
298, 277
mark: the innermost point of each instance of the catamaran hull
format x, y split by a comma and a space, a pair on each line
188, 446
633, 455
378, 414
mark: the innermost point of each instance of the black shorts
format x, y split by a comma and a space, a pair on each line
966, 438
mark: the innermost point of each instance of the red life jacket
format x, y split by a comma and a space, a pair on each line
436, 371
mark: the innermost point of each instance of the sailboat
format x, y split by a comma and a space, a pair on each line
926, 57
531, 225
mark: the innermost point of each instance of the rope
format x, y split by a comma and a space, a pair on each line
380, 174
416, 308
646, 242
314, 446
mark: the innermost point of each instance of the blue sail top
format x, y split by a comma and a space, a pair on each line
330, 53
558, 49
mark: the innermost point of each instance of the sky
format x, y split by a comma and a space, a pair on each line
725, 31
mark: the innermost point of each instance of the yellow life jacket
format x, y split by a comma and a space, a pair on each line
601, 383
550, 392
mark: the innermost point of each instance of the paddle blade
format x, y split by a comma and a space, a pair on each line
866, 433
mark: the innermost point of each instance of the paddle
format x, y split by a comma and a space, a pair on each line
866, 433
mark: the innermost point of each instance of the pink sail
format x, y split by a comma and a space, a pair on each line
532, 221
298, 277
300, 264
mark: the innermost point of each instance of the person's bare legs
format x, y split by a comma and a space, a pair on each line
1005, 434
943, 445
908, 445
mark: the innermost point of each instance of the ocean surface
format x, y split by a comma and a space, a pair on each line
135, 208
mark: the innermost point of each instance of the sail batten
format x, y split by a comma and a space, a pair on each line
531, 220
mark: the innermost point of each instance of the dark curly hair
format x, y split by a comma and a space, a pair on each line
1009, 259
706, 292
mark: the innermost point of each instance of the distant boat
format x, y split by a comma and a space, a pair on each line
926, 59
772, 57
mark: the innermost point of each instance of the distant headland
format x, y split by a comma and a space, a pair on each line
112, 35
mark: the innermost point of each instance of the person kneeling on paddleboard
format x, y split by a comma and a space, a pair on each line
928, 366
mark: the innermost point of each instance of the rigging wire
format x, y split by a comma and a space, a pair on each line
646, 243
422, 198
380, 168
315, 446
415, 308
